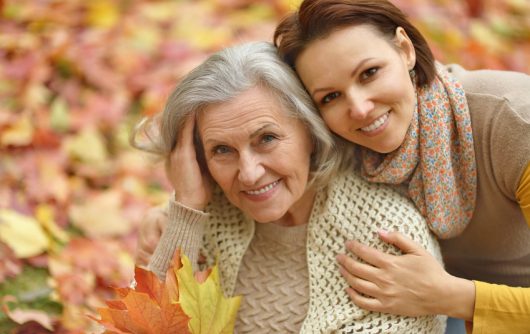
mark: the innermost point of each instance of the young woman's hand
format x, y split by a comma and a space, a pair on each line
192, 187
411, 284
151, 227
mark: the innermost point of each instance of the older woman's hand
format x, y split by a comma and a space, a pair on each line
192, 187
151, 227
412, 284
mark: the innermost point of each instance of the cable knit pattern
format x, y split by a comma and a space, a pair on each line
185, 235
350, 208
274, 280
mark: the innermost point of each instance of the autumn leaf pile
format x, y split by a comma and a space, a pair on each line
75, 75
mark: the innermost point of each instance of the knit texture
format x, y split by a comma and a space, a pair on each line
273, 278
349, 208
185, 236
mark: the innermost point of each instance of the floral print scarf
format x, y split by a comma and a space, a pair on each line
437, 158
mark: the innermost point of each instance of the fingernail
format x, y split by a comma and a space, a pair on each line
383, 233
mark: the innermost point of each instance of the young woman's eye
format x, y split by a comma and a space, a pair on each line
221, 149
369, 73
329, 97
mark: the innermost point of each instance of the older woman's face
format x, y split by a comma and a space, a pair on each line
258, 155
360, 82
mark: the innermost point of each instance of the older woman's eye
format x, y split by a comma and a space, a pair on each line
221, 149
329, 97
268, 138
369, 73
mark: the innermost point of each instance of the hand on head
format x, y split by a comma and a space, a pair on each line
192, 187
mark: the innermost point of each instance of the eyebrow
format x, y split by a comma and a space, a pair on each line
253, 135
261, 129
355, 70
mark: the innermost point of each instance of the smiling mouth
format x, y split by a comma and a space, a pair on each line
376, 124
263, 189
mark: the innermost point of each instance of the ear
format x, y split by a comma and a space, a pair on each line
404, 44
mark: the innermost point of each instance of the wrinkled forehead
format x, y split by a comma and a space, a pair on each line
257, 101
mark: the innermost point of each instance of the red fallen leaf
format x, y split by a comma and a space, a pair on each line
45, 138
31, 327
475, 8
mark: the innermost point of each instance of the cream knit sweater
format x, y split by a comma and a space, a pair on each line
349, 208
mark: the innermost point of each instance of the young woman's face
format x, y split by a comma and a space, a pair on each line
361, 84
258, 155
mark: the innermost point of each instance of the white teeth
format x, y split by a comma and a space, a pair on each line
378, 122
262, 190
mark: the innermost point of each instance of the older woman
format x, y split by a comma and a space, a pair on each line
240, 133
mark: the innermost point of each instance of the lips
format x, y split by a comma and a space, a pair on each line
376, 124
262, 190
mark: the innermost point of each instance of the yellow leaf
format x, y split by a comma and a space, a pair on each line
45, 217
50, 171
101, 215
88, 146
19, 134
102, 13
23, 234
205, 304
145, 38
59, 118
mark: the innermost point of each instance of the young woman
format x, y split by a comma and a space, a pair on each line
456, 142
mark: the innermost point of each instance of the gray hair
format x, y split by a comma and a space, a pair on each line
222, 77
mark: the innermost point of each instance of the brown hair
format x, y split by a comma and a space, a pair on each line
316, 19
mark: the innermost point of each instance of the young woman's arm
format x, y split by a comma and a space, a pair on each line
523, 194
501, 309
415, 284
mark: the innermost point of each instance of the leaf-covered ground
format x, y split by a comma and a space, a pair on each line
75, 75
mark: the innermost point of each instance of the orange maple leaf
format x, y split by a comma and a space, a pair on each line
151, 307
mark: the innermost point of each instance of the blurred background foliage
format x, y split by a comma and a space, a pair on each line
75, 75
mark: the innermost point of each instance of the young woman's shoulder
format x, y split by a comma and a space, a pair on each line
499, 105
512, 87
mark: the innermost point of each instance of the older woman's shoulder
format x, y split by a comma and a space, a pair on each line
353, 193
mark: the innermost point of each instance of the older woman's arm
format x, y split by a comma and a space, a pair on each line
184, 230
192, 192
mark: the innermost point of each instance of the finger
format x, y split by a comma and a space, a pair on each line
366, 303
186, 134
148, 237
356, 268
142, 258
368, 254
358, 284
405, 244
184, 148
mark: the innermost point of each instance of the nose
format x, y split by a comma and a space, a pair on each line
359, 104
251, 168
